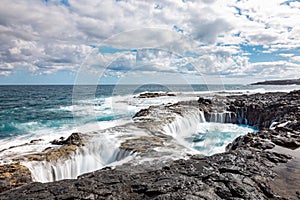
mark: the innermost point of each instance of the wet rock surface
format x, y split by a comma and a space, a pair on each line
244, 171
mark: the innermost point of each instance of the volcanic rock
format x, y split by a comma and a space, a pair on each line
154, 95
13, 175
73, 139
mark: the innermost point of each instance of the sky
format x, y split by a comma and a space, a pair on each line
139, 41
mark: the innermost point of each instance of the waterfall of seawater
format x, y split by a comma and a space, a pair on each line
185, 124
192, 127
189, 121
224, 117
208, 135
85, 159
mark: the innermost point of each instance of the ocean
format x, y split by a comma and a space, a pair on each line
48, 112
26, 110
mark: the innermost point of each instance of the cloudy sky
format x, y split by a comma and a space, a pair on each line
132, 41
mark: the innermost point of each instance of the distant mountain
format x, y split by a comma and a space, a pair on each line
279, 82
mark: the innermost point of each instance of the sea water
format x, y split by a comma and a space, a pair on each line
27, 110
212, 138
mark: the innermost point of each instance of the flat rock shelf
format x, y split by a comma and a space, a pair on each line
251, 167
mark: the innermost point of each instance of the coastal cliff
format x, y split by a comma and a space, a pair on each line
251, 168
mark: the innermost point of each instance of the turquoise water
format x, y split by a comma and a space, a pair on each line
212, 138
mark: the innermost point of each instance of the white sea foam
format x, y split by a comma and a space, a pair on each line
212, 138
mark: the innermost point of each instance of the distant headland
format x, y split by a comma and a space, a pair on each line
279, 82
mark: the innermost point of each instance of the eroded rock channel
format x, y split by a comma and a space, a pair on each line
251, 167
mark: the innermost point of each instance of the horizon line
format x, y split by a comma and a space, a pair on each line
116, 84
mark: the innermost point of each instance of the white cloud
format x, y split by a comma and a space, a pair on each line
296, 59
6, 69
278, 69
286, 55
45, 37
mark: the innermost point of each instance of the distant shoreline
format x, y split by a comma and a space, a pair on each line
279, 82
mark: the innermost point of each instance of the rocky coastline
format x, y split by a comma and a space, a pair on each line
251, 167
279, 82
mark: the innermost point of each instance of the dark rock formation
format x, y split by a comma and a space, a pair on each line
279, 82
154, 95
67, 147
73, 139
244, 171
204, 101
142, 112
13, 175
259, 110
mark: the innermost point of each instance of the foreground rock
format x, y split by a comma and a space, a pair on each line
13, 175
247, 170
239, 174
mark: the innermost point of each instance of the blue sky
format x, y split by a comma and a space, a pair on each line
87, 42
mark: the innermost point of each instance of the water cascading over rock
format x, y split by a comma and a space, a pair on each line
84, 158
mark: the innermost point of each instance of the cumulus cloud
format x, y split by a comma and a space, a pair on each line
165, 36
278, 69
